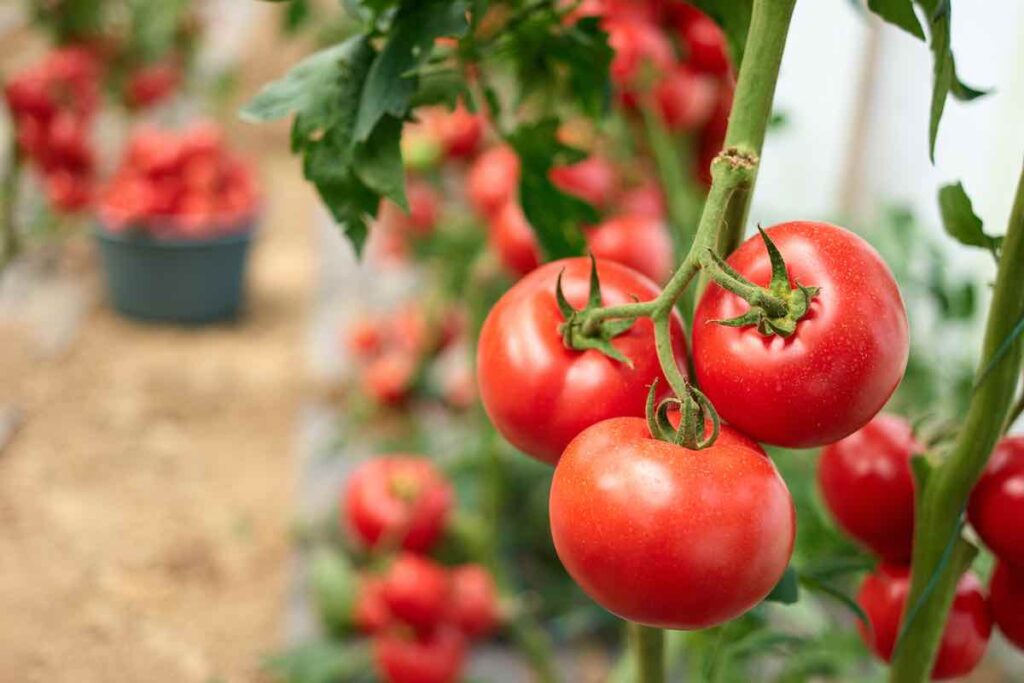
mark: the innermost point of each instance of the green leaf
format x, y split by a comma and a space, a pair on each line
946, 79
297, 15
392, 79
333, 582
898, 13
582, 50
303, 85
960, 221
555, 217
378, 162
734, 18
320, 662
787, 590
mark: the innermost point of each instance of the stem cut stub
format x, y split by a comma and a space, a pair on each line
775, 309
694, 411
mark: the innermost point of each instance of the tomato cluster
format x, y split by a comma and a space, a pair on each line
867, 484
182, 184
626, 508
419, 613
392, 350
150, 84
53, 104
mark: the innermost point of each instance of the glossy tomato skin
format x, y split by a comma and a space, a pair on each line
538, 393
474, 603
866, 482
996, 507
370, 612
1008, 603
837, 370
883, 597
399, 499
668, 537
416, 591
512, 239
639, 242
435, 657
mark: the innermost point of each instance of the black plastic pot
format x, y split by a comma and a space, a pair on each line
175, 280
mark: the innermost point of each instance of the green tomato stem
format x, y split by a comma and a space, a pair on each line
947, 488
682, 201
648, 646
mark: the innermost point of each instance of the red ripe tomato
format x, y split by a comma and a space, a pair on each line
492, 180
474, 607
706, 46
423, 208
512, 239
152, 83
636, 43
883, 597
434, 657
397, 500
364, 337
594, 180
370, 612
460, 132
666, 536
636, 241
540, 394
839, 367
1008, 602
867, 484
645, 200
416, 591
685, 99
67, 191
996, 507
388, 378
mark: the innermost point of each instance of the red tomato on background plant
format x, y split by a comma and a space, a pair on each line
540, 394
434, 657
370, 611
636, 241
665, 536
883, 597
474, 605
460, 131
996, 507
1008, 602
151, 84
638, 45
397, 501
388, 378
868, 486
594, 180
416, 591
492, 180
685, 99
706, 47
839, 367
644, 200
512, 240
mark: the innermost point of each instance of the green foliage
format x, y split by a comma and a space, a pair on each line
328, 661
961, 222
333, 582
901, 13
555, 216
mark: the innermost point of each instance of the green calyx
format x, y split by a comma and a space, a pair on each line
580, 332
694, 412
775, 309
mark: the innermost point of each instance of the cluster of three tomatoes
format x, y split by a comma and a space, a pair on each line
655, 532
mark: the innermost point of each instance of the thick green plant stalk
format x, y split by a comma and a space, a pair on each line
9, 243
733, 174
947, 487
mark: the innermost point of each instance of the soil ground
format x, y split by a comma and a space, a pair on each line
146, 497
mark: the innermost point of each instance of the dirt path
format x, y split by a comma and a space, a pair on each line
146, 498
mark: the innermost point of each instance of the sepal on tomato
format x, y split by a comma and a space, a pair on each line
775, 309
579, 336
